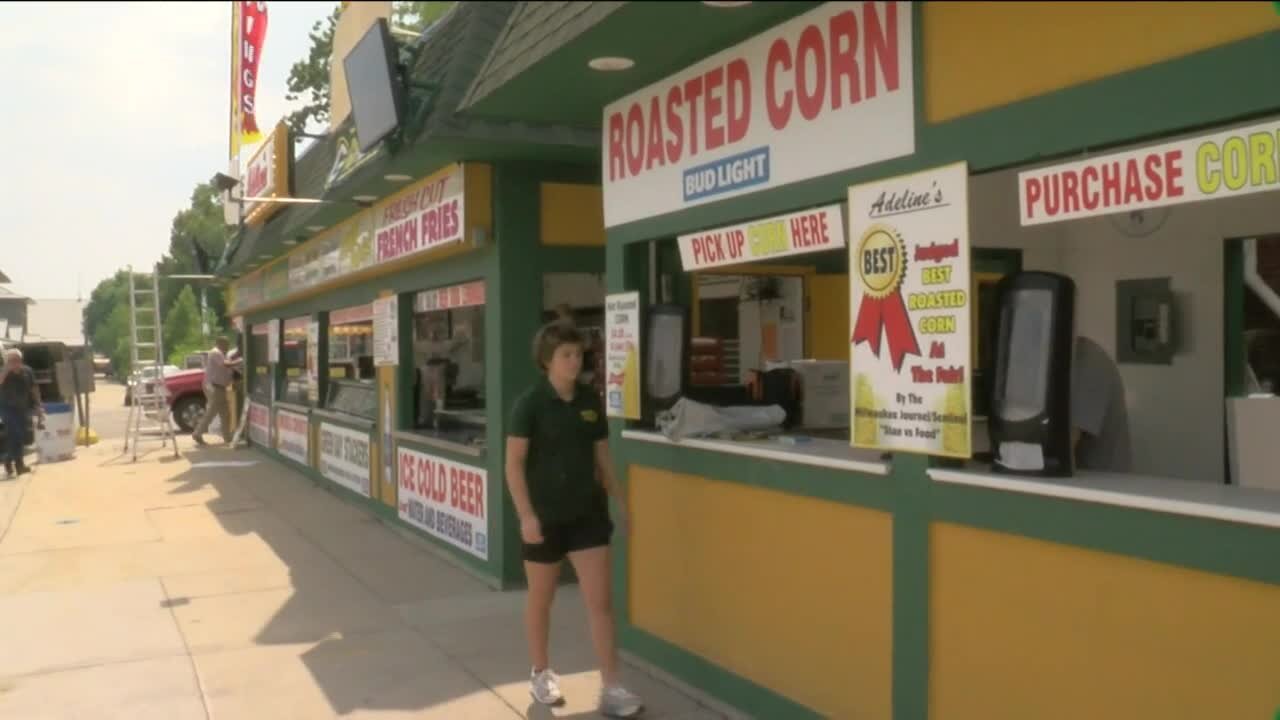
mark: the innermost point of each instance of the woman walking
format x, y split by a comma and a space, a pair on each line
560, 476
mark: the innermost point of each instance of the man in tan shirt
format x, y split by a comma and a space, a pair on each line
217, 379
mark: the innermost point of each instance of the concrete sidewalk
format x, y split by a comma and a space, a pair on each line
170, 591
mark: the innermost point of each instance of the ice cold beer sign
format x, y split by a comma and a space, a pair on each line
446, 499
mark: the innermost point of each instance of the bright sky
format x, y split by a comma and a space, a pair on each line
113, 113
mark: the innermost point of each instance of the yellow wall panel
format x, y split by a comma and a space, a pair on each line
1023, 628
981, 55
792, 593
572, 215
828, 317
478, 178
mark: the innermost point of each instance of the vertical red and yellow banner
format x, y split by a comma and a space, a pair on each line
252, 28
233, 104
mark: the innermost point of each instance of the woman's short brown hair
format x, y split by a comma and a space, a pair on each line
550, 338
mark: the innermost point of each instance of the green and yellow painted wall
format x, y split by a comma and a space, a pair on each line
794, 591
524, 220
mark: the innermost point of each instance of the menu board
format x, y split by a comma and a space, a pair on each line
386, 331
313, 361
450, 298
273, 341
622, 355
910, 309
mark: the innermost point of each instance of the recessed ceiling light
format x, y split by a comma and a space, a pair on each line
397, 177
364, 198
289, 241
611, 64
315, 228
728, 4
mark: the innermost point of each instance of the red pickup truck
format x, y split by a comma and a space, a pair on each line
185, 393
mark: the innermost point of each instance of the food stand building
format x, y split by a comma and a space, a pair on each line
375, 323
809, 579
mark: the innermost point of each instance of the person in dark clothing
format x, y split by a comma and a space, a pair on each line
560, 476
19, 398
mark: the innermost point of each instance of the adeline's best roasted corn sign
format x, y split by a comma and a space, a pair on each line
909, 286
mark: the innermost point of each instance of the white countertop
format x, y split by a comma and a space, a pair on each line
821, 452
1216, 501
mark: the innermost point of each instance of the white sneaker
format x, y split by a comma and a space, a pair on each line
544, 686
618, 702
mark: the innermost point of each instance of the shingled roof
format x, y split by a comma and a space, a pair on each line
533, 31
7, 294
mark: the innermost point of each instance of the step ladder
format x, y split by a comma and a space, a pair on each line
149, 409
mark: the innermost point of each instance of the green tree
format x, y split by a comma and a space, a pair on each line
104, 299
106, 315
182, 327
201, 222
309, 77
416, 16
112, 339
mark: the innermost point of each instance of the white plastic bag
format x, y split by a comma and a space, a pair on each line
687, 419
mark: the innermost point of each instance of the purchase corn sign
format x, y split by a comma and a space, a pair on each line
826, 91
1226, 164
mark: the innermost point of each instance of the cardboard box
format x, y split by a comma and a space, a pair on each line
824, 387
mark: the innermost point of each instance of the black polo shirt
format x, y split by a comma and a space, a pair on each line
560, 469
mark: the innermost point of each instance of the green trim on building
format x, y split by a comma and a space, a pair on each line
912, 502
1132, 107
1215, 546
850, 488
1129, 108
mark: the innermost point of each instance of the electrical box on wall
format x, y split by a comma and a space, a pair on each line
1146, 322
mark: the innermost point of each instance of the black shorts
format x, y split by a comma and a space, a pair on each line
560, 539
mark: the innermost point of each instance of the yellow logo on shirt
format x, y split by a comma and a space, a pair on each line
589, 416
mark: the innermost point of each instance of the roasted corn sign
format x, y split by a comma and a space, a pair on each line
910, 308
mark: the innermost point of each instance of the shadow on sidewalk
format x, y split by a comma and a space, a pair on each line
363, 598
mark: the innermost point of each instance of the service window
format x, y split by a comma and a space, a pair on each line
352, 374
293, 360
579, 298
351, 344
745, 323
449, 363
259, 349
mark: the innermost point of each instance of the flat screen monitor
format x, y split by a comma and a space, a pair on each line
666, 356
1031, 402
373, 85
1025, 384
